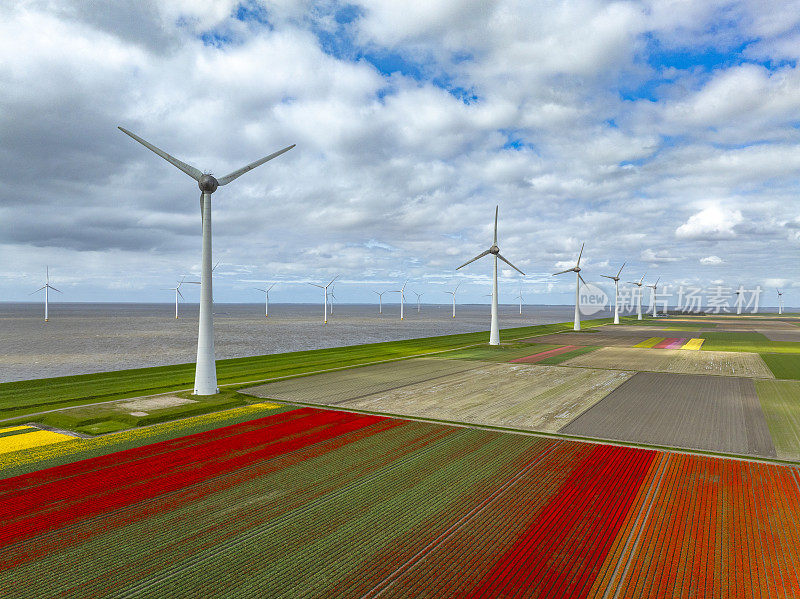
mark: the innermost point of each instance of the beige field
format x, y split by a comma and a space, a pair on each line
526, 396
675, 360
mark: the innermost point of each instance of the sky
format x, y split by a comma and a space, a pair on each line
664, 134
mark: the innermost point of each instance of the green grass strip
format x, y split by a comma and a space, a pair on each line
553, 360
780, 401
783, 366
747, 342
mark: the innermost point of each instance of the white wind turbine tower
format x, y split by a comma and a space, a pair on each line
578, 279
519, 297
419, 295
739, 298
453, 293
47, 287
177, 291
402, 292
780, 301
638, 296
494, 333
616, 292
205, 377
325, 298
266, 298
653, 293
380, 300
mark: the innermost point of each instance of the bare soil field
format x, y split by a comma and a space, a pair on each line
601, 339
691, 411
524, 396
675, 361
783, 334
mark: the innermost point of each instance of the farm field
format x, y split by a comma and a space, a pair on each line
604, 338
779, 401
747, 342
720, 414
783, 366
312, 502
676, 361
522, 396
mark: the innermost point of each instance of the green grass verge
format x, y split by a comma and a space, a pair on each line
553, 360
747, 342
783, 366
780, 401
106, 418
25, 397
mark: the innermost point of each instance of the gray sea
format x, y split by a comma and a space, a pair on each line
81, 337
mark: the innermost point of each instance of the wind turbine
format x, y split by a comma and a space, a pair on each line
333, 297
402, 292
494, 333
419, 295
654, 287
780, 302
577, 270
453, 293
177, 291
205, 377
739, 296
616, 292
325, 299
638, 296
519, 296
47, 287
380, 300
266, 300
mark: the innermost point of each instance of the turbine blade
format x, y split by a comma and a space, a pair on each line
487, 252
563, 271
40, 288
511, 265
496, 210
189, 170
332, 280
271, 286
657, 280
259, 289
621, 267
236, 174
607, 276
53, 288
315, 285
642, 279
457, 286
581, 278
580, 254
215, 266
179, 293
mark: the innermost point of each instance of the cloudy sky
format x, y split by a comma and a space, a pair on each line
664, 133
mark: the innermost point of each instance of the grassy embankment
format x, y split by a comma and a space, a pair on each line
18, 400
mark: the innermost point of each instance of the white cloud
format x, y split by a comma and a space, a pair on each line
713, 222
712, 260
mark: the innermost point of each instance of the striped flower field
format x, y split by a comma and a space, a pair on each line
311, 502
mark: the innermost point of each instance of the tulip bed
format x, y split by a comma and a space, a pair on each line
313, 502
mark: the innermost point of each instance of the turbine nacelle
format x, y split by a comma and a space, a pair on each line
494, 250
207, 183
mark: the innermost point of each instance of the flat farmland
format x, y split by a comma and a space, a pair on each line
326, 503
676, 361
781, 334
780, 401
524, 396
626, 339
721, 414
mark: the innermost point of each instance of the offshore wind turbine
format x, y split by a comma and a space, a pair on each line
780, 301
453, 293
47, 287
494, 332
177, 291
380, 300
578, 279
266, 298
654, 287
333, 297
205, 376
419, 295
638, 296
519, 297
402, 292
325, 298
739, 296
616, 292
